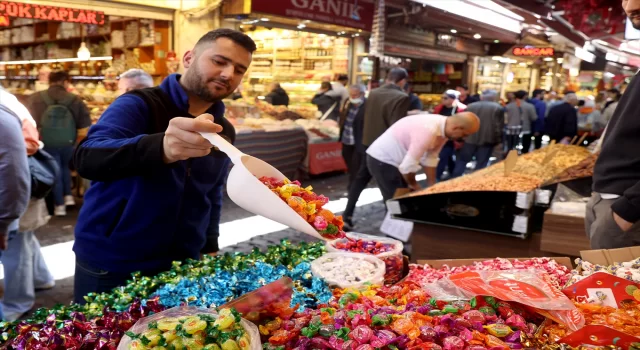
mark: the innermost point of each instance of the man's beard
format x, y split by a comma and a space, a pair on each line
634, 14
199, 87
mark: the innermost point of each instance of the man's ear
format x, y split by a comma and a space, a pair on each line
188, 58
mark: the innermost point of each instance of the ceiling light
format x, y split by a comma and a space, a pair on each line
83, 52
477, 36
522, 64
496, 16
496, 58
300, 26
537, 16
548, 59
264, 19
453, 31
497, 41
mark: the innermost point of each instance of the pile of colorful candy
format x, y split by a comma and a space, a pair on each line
344, 270
308, 205
559, 274
195, 329
628, 270
625, 319
217, 289
386, 249
79, 332
111, 313
402, 317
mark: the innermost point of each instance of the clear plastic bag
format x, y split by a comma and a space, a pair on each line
392, 259
349, 270
525, 287
568, 202
143, 325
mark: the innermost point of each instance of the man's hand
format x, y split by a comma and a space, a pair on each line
183, 141
4, 241
622, 223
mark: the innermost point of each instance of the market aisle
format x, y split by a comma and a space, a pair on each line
240, 231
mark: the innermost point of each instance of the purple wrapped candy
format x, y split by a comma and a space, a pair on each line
362, 334
320, 343
513, 337
516, 321
461, 323
441, 331
466, 335
365, 347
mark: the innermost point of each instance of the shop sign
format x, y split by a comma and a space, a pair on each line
356, 14
10, 9
424, 53
447, 40
531, 51
409, 34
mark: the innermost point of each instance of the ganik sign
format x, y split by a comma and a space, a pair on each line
347, 13
48, 13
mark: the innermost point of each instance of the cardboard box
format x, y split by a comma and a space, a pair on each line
610, 256
436, 264
563, 234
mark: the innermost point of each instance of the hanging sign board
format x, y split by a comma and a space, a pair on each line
9, 9
531, 51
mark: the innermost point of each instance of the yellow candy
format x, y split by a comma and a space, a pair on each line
154, 336
178, 344
499, 330
230, 345
244, 342
170, 335
193, 344
225, 319
168, 324
212, 347
194, 324
158, 348
136, 344
310, 209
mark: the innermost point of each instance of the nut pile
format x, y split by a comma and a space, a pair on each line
582, 169
512, 183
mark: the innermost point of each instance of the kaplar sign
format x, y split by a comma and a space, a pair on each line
9, 9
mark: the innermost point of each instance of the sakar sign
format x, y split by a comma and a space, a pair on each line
10, 9
534, 51
356, 14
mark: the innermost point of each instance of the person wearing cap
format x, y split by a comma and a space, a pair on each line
385, 106
482, 143
465, 98
450, 105
413, 143
339, 90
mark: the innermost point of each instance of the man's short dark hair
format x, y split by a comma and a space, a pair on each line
537, 92
520, 95
343, 77
397, 74
237, 37
58, 77
326, 85
464, 86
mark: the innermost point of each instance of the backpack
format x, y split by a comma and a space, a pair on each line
43, 169
57, 125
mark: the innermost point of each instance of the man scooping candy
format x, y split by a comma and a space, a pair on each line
157, 183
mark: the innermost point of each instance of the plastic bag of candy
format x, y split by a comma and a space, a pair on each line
528, 288
349, 270
386, 249
188, 327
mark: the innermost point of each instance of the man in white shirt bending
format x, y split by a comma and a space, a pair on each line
415, 141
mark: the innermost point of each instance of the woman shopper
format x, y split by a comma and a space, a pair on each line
328, 105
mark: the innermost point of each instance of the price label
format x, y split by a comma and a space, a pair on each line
524, 200
520, 224
398, 229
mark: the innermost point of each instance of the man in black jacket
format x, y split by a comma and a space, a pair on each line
277, 96
562, 121
613, 213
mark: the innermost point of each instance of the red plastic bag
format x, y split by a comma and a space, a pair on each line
528, 288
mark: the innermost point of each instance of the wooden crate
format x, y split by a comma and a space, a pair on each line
563, 234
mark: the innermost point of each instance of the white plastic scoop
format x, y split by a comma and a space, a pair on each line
244, 188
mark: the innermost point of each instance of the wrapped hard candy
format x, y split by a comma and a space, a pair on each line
349, 270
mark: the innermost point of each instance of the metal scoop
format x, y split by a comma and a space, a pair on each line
244, 188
